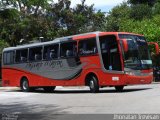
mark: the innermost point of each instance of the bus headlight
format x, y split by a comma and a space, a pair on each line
151, 73
129, 73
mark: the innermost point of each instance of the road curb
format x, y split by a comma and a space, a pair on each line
58, 87
9, 88
155, 82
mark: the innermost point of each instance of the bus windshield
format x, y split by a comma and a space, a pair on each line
137, 57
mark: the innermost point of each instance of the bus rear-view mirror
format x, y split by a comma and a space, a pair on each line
156, 46
125, 45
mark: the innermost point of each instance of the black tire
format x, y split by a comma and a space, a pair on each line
93, 84
25, 85
49, 89
119, 88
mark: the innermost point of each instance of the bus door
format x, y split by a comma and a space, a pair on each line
110, 53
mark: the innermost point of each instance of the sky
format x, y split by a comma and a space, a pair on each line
104, 5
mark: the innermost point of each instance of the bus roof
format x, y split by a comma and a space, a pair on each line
63, 39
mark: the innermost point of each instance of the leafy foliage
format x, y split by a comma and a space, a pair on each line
147, 2
31, 19
118, 14
147, 27
3, 44
141, 17
140, 12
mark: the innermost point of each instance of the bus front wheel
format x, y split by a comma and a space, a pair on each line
93, 84
49, 89
25, 85
119, 88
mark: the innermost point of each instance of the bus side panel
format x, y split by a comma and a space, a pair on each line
133, 80
11, 77
104, 78
91, 64
111, 79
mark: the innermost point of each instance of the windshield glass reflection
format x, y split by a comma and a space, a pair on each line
137, 56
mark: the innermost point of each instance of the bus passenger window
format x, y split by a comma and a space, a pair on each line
68, 49
8, 57
50, 52
88, 47
21, 55
35, 54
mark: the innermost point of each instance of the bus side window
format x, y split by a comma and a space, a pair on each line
8, 57
87, 47
50, 52
68, 49
35, 54
21, 55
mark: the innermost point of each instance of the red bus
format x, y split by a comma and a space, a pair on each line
97, 59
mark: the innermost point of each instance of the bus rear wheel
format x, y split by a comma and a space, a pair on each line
93, 84
25, 85
119, 88
49, 89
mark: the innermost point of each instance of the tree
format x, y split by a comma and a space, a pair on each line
140, 12
22, 20
28, 20
68, 21
8, 28
146, 2
156, 8
148, 27
3, 44
116, 16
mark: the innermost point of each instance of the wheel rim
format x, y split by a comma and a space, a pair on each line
91, 84
25, 85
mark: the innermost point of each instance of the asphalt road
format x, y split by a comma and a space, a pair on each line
139, 99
